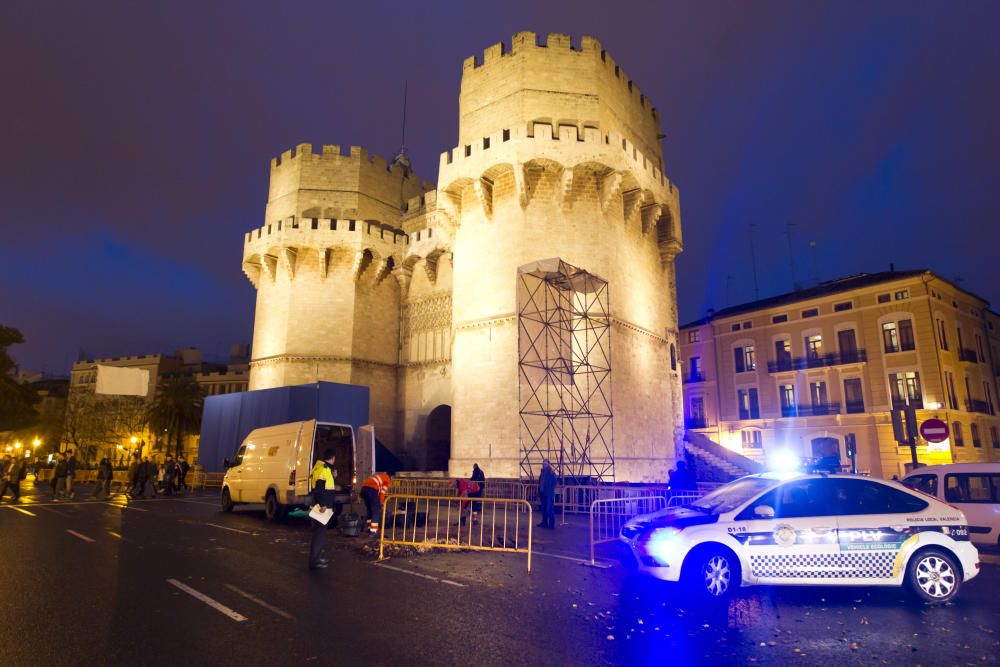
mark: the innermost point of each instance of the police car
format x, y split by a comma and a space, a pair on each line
798, 528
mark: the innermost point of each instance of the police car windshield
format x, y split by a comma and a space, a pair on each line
732, 495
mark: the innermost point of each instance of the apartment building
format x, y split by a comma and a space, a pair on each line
813, 371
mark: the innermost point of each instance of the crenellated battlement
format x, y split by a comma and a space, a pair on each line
555, 75
569, 143
333, 155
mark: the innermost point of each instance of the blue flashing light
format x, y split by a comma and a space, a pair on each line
783, 460
664, 545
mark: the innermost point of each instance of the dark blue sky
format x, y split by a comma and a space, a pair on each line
136, 139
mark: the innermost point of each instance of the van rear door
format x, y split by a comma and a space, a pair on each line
304, 457
364, 454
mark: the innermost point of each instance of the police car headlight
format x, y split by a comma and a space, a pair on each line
664, 545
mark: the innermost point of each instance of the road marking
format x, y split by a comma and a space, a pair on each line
214, 604
265, 605
575, 559
418, 574
126, 507
235, 530
22, 511
82, 537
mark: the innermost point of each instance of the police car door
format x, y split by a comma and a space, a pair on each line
872, 528
791, 533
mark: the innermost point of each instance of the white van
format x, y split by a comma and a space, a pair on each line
273, 464
973, 488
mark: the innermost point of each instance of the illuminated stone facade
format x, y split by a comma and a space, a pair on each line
366, 275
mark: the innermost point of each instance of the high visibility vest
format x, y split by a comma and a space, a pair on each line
322, 471
380, 482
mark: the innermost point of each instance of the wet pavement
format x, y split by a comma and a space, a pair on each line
163, 581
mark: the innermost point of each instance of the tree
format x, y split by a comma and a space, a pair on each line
16, 400
176, 409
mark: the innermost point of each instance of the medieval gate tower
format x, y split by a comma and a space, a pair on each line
368, 276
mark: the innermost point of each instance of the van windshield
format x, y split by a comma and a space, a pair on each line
339, 439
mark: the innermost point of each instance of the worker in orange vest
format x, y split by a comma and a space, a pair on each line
373, 492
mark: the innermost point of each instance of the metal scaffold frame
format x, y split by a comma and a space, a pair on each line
564, 369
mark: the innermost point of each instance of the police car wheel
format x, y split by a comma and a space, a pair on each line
933, 576
227, 501
714, 573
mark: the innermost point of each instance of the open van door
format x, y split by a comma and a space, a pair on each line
364, 454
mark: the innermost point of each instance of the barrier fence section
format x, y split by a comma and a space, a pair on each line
609, 515
448, 522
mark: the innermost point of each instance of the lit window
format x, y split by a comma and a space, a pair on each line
905, 388
749, 407
752, 439
814, 347
693, 336
902, 294
890, 337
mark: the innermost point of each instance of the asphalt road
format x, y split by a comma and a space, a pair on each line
176, 581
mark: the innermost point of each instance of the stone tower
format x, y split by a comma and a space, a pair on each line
559, 156
322, 263
366, 275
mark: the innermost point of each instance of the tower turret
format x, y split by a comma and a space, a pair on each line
559, 157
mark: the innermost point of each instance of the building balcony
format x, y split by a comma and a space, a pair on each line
789, 411
821, 361
917, 403
982, 407
818, 409
966, 354
694, 377
695, 422
855, 407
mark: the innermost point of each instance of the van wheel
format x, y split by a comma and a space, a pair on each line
227, 501
933, 576
273, 510
712, 574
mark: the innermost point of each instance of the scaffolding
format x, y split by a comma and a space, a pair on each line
564, 385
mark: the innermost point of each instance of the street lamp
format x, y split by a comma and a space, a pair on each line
36, 442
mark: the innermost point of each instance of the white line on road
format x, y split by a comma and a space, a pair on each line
126, 507
576, 559
214, 604
418, 574
18, 509
235, 530
265, 605
82, 537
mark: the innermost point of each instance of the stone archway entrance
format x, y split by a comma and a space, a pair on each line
438, 438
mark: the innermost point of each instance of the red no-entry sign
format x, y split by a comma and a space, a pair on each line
934, 430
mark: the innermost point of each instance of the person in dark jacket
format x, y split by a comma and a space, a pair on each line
182, 471
479, 477
59, 476
134, 488
70, 472
681, 478
169, 475
547, 495
103, 478
323, 474
16, 470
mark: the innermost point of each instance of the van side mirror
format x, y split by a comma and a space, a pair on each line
763, 512
225, 463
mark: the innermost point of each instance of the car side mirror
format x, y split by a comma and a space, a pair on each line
763, 512
226, 463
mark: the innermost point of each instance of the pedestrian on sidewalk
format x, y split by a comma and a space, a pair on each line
169, 474
681, 478
147, 475
479, 477
547, 495
464, 489
14, 471
104, 474
182, 471
59, 474
134, 489
323, 474
15, 475
373, 493
70, 473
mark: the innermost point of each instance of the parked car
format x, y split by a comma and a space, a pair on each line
973, 488
815, 529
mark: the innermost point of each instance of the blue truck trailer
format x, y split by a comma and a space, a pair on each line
229, 418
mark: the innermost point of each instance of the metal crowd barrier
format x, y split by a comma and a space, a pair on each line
440, 522
609, 515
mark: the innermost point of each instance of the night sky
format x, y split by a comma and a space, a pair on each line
137, 136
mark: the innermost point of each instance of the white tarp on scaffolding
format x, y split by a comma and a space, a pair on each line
122, 381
